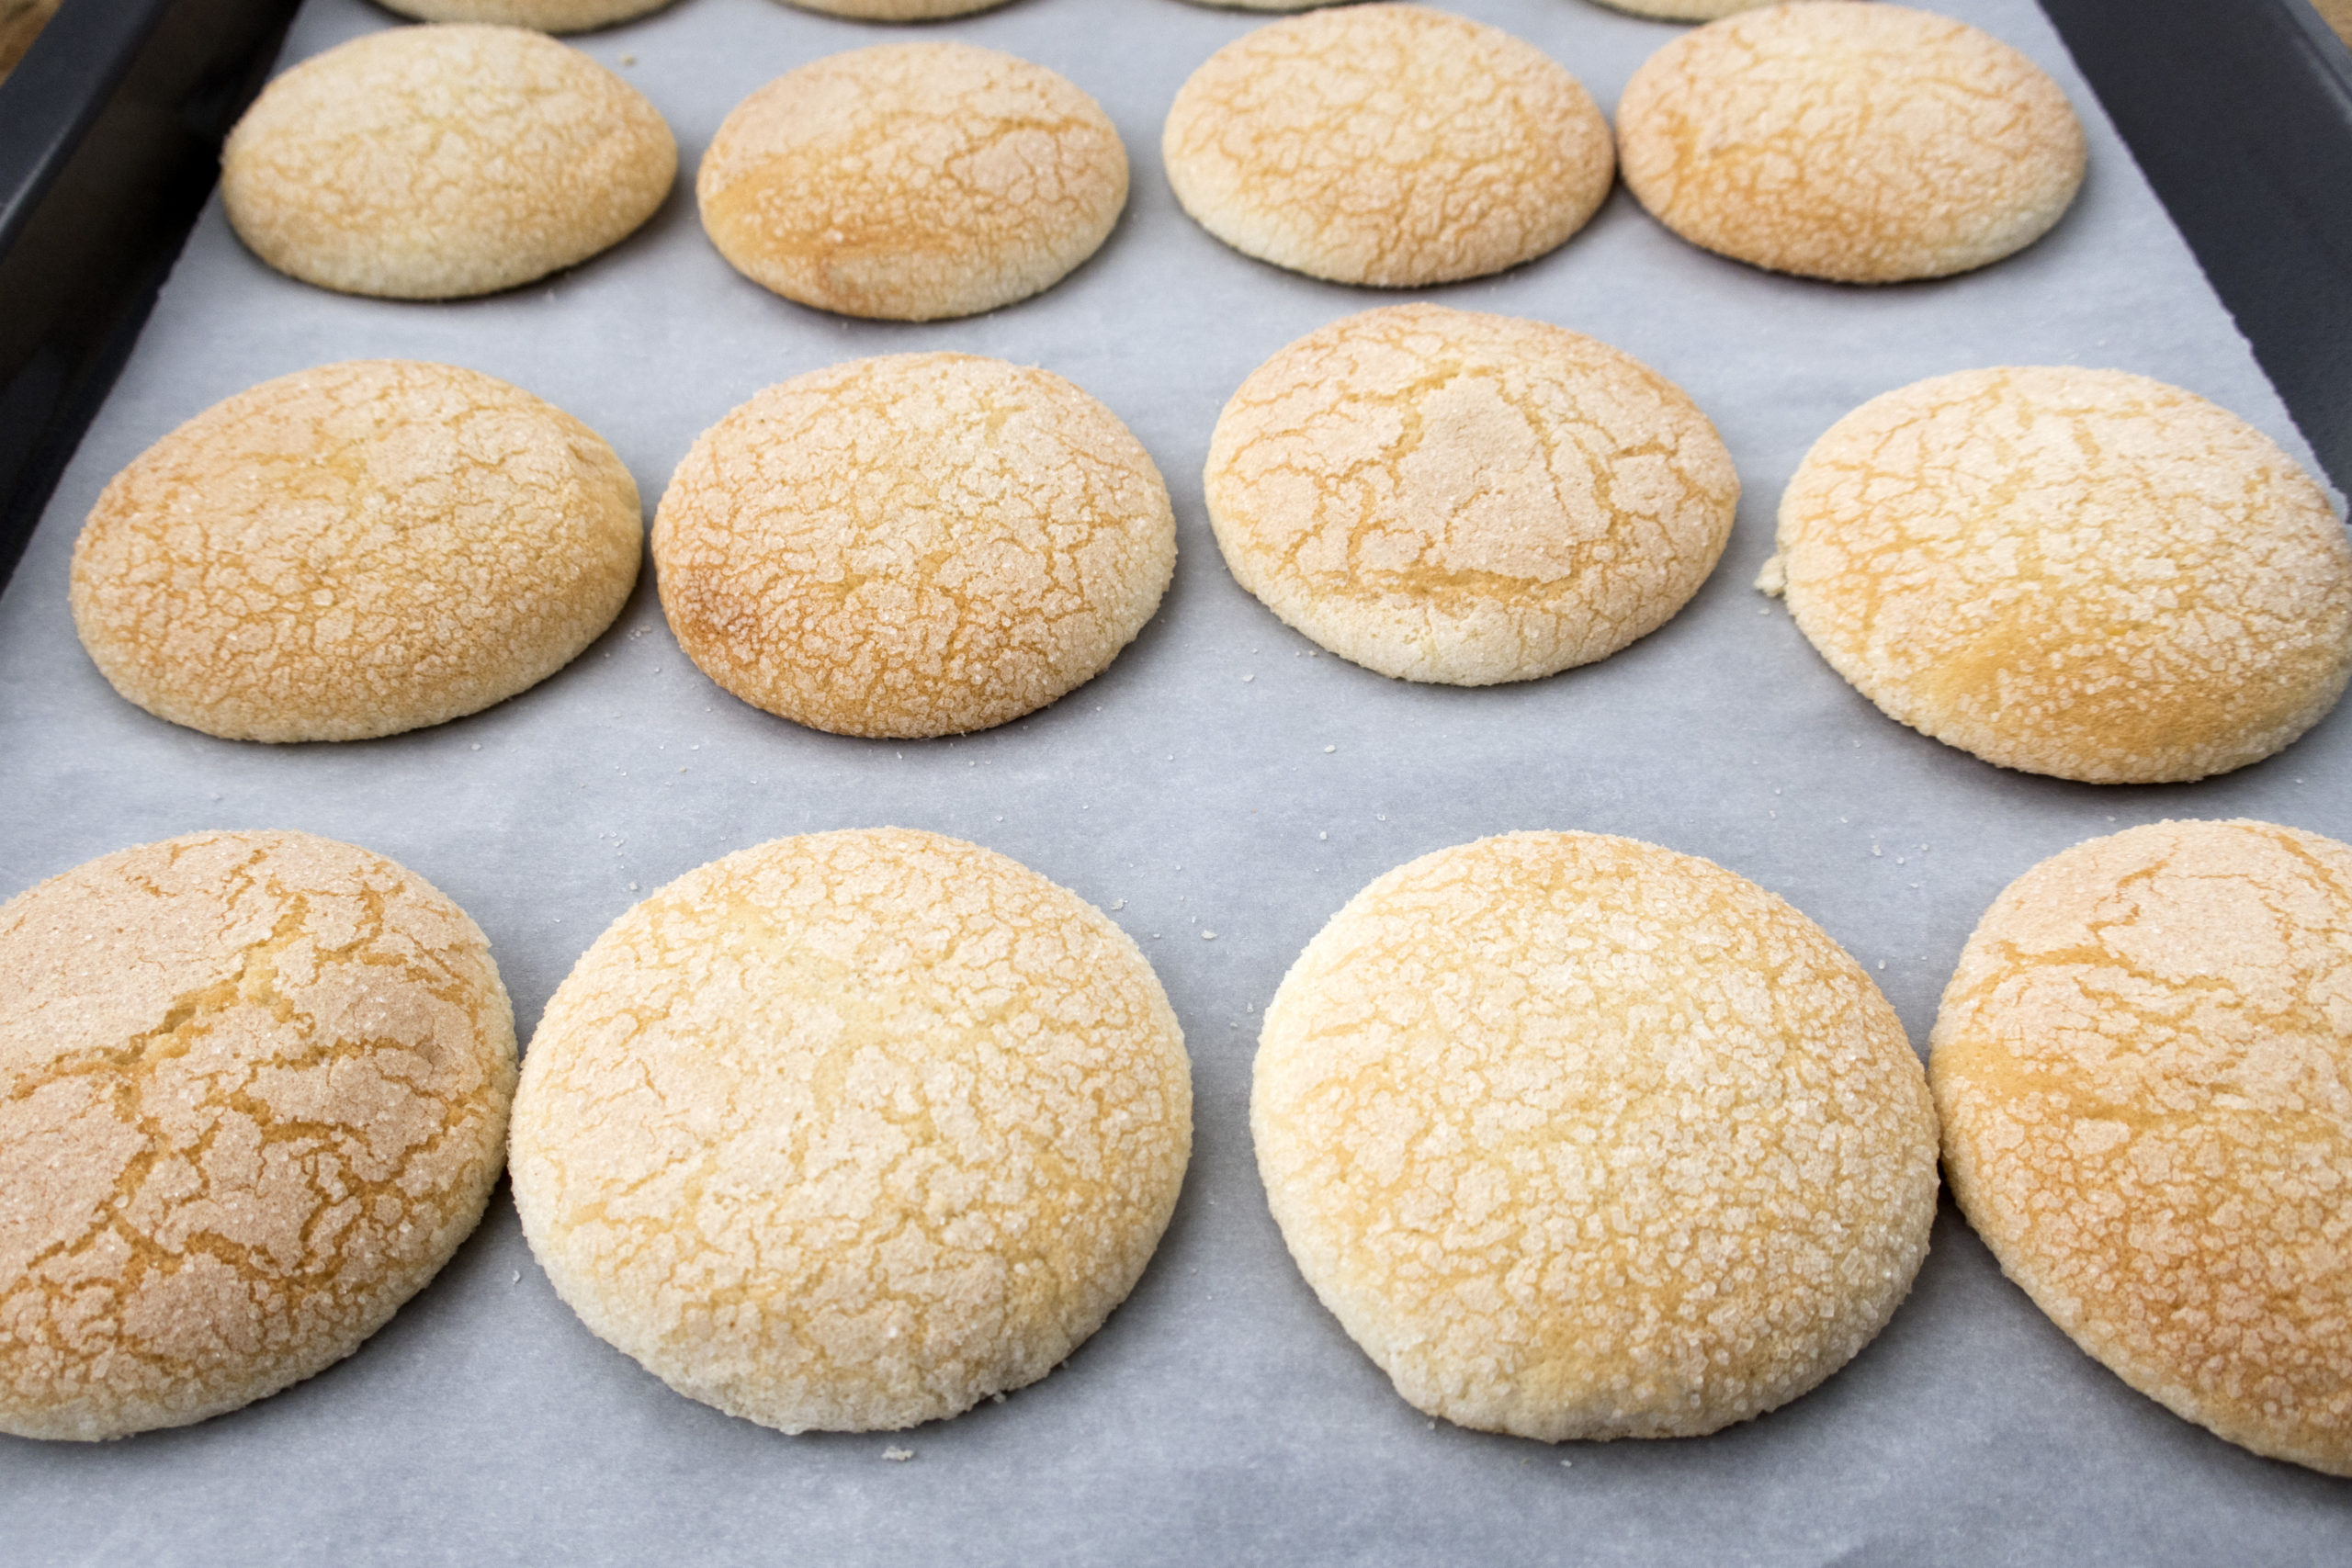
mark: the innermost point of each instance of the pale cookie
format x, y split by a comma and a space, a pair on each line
354, 551
1859, 142
1466, 498
924, 544
912, 181
1388, 145
1682, 10
2143, 1068
853, 1131
548, 15
897, 10
1579, 1138
253, 1094
1268, 5
433, 162
2083, 573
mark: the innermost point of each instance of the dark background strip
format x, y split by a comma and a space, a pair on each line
110, 131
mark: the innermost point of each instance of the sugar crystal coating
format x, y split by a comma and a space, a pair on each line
2143, 1068
853, 1129
1580, 1137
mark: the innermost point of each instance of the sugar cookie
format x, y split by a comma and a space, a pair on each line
253, 1094
852, 1131
2078, 572
912, 181
546, 16
1386, 145
353, 551
1445, 496
922, 544
1861, 143
897, 10
433, 161
1580, 1137
2143, 1068
1682, 10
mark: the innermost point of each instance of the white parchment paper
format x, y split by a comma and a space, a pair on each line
1221, 776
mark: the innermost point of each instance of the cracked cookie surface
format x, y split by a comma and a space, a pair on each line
852, 1129
432, 162
1579, 1138
912, 181
2143, 1068
2084, 573
1863, 144
924, 544
1388, 145
253, 1091
1446, 496
353, 551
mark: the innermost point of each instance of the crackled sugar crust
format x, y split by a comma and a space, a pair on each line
912, 181
2143, 1066
924, 544
851, 1131
1388, 145
1580, 1137
548, 15
253, 1094
429, 163
1863, 144
2083, 573
1446, 496
353, 551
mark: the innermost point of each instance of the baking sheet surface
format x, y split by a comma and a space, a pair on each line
1221, 776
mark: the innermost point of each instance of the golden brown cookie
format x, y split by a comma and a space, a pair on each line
433, 161
1859, 142
1446, 496
1580, 1137
852, 1131
2083, 573
912, 181
548, 15
2143, 1068
353, 551
253, 1094
1386, 145
922, 544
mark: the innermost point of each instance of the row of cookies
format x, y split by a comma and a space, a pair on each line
852, 1131
2080, 573
1388, 145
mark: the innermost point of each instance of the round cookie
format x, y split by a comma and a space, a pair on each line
1859, 142
2143, 1068
1386, 145
852, 1131
2083, 573
430, 162
546, 16
353, 551
1682, 10
912, 181
924, 544
897, 10
253, 1094
1446, 496
1579, 1138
